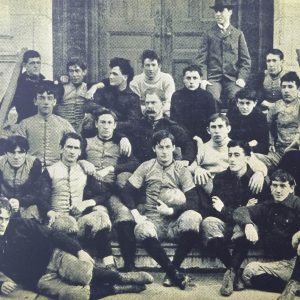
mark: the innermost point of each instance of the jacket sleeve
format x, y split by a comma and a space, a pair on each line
201, 59
261, 131
250, 215
128, 196
92, 105
244, 59
45, 192
126, 164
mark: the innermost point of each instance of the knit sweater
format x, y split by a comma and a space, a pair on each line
192, 109
44, 135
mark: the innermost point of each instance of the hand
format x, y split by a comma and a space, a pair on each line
7, 287
256, 182
87, 167
51, 214
217, 203
267, 104
201, 176
164, 209
15, 204
251, 202
104, 172
84, 256
240, 82
138, 218
251, 233
253, 143
204, 83
272, 149
296, 239
90, 93
125, 147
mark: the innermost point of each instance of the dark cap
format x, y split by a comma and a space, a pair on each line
223, 4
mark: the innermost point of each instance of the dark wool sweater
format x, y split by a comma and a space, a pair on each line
248, 128
141, 138
26, 249
276, 221
192, 109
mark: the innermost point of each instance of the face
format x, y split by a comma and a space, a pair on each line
191, 80
289, 91
106, 126
218, 130
154, 106
223, 15
45, 103
274, 64
17, 158
76, 74
151, 68
245, 106
237, 159
164, 151
4, 220
71, 150
116, 78
33, 66
280, 190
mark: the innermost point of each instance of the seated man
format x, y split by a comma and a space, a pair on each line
169, 209
117, 97
27, 85
19, 173
70, 105
212, 158
26, 249
62, 189
153, 121
153, 78
283, 120
191, 106
272, 224
44, 130
248, 123
267, 84
230, 190
114, 169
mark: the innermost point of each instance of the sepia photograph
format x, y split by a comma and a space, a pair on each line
150, 149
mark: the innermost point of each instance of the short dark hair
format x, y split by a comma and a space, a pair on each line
14, 141
70, 135
161, 95
151, 54
245, 93
276, 52
283, 176
124, 65
30, 54
161, 135
242, 144
76, 61
290, 77
192, 68
47, 86
216, 116
4, 204
104, 111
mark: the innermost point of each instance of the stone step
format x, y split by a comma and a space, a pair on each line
196, 259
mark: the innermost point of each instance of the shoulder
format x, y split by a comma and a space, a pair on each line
137, 78
166, 76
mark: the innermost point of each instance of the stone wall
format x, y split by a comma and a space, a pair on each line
286, 30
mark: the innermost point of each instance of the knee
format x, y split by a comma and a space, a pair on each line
208, 224
145, 230
76, 293
190, 220
251, 269
66, 224
75, 271
122, 179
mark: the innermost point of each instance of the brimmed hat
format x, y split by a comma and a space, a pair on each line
222, 4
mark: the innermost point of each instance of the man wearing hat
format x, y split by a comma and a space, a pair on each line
223, 55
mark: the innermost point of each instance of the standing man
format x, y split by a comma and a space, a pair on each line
27, 85
153, 78
223, 56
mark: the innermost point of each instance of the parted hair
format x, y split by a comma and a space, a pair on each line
161, 135
14, 141
283, 176
242, 144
